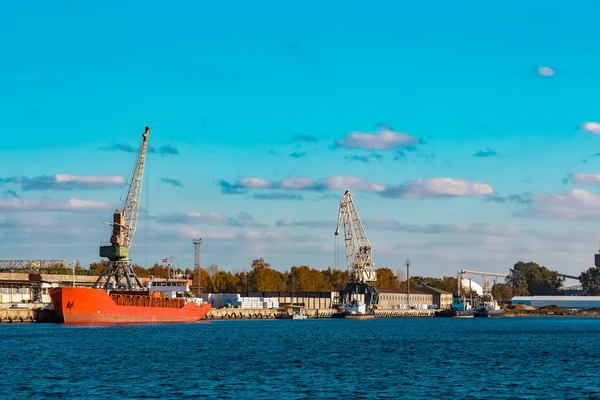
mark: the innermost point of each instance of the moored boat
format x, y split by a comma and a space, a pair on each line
292, 312
489, 308
485, 312
354, 310
95, 306
461, 308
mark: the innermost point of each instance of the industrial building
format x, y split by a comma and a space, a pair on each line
310, 300
33, 288
569, 302
441, 298
392, 299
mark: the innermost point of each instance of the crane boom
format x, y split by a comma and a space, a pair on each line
358, 249
132, 201
466, 271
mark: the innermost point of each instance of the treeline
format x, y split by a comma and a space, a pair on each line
262, 278
524, 279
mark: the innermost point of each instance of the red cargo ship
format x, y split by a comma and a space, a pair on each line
96, 306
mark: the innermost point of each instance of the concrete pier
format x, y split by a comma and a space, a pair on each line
248, 313
28, 315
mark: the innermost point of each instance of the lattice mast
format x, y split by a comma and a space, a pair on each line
358, 249
196, 281
119, 273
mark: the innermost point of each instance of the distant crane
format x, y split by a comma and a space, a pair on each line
486, 286
358, 254
119, 273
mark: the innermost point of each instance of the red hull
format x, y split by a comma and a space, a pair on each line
95, 306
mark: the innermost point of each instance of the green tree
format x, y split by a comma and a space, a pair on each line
502, 291
529, 278
590, 281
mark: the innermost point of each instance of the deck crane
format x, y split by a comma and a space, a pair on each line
119, 273
358, 254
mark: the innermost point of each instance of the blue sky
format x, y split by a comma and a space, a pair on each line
492, 96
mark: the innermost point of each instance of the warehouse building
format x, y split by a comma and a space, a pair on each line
441, 298
569, 302
393, 299
33, 288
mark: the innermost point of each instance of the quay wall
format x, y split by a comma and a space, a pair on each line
28, 315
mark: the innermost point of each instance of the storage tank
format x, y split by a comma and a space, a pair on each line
469, 284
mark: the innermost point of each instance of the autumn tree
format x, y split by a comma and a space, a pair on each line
386, 279
97, 267
140, 271
264, 279
447, 283
338, 279
305, 279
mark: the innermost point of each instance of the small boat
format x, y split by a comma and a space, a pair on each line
354, 310
292, 312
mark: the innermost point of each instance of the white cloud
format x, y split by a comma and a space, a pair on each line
193, 218
438, 187
384, 138
578, 204
195, 233
65, 182
425, 188
545, 71
252, 235
352, 183
70, 205
593, 127
254, 183
91, 180
394, 225
586, 179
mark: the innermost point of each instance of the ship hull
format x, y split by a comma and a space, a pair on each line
453, 313
95, 306
489, 313
348, 315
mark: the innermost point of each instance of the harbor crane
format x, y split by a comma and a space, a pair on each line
119, 273
486, 286
358, 254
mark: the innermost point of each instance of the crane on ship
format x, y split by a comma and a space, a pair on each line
359, 259
119, 274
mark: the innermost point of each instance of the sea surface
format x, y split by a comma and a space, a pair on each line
410, 358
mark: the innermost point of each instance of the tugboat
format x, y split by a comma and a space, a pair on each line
355, 309
488, 308
461, 308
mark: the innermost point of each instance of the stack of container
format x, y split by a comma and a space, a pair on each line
219, 300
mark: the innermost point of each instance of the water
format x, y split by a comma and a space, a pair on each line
328, 358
